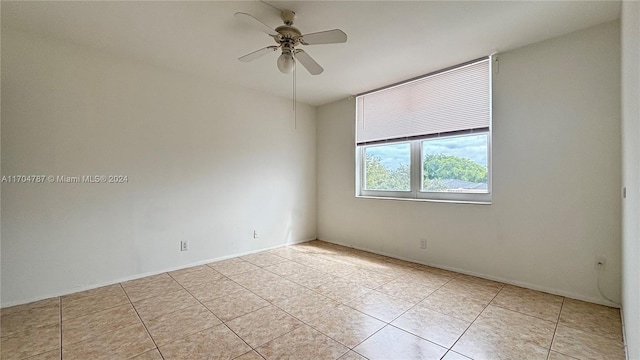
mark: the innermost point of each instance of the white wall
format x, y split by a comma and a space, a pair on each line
631, 175
556, 170
206, 163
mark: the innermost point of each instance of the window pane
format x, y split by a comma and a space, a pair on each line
387, 167
455, 164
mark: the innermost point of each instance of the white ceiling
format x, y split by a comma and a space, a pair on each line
389, 41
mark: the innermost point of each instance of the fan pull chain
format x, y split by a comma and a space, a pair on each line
295, 115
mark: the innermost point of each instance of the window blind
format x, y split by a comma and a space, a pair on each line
450, 101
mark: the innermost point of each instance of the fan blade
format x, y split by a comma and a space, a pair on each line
255, 23
307, 61
258, 53
324, 37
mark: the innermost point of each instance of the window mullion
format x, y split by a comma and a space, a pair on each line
415, 167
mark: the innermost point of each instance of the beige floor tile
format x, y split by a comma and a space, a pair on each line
312, 279
401, 262
278, 290
91, 301
504, 334
251, 355
91, 304
255, 278
511, 324
424, 278
342, 290
326, 263
390, 269
406, 290
190, 270
557, 356
336, 269
98, 323
103, 291
586, 345
477, 288
234, 305
263, 325
303, 258
149, 287
172, 326
216, 289
49, 355
597, 319
380, 306
20, 321
347, 326
122, 344
263, 259
369, 278
451, 355
489, 346
30, 342
149, 355
393, 343
307, 306
217, 342
196, 276
302, 343
288, 268
29, 306
379, 265
530, 302
435, 270
233, 266
352, 355
287, 252
150, 308
451, 302
441, 329
316, 247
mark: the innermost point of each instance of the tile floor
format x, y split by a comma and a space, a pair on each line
311, 301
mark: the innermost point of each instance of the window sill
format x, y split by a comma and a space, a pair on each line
470, 202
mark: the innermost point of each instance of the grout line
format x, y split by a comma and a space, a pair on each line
222, 322
522, 313
555, 329
474, 320
143, 324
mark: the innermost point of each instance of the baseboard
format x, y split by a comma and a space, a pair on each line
489, 277
151, 273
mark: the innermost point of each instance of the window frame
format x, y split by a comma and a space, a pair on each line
386, 193
416, 173
416, 166
484, 197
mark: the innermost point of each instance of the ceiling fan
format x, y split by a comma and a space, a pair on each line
288, 37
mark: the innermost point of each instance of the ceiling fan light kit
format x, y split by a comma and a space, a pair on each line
286, 62
288, 37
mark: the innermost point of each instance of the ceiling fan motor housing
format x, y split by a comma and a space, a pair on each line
288, 35
288, 17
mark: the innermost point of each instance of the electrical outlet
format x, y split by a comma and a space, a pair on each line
601, 262
255, 234
423, 244
184, 245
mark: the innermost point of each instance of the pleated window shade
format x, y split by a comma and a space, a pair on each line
450, 101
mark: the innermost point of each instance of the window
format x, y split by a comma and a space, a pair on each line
427, 138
